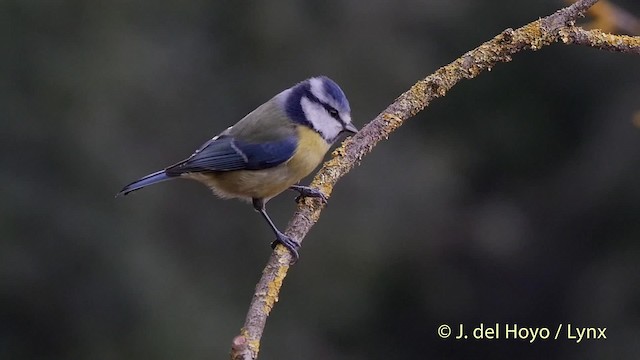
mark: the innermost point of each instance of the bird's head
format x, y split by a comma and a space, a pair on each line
320, 104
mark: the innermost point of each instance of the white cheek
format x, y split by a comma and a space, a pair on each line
320, 119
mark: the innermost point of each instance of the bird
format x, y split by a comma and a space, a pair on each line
269, 150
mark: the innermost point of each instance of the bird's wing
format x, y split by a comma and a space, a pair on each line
227, 153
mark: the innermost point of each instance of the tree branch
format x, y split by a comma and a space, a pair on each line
556, 27
603, 41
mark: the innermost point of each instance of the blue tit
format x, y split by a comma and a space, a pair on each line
269, 150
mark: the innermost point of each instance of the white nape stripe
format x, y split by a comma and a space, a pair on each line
320, 119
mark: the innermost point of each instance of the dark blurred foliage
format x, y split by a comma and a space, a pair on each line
514, 199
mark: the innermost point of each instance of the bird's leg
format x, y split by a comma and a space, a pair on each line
281, 238
308, 191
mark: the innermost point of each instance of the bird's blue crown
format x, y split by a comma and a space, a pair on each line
331, 91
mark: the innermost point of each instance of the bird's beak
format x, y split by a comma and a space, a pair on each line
350, 128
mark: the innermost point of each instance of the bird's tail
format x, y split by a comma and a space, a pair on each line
150, 179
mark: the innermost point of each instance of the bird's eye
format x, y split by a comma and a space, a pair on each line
333, 112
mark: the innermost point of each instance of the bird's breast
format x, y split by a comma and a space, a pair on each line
309, 153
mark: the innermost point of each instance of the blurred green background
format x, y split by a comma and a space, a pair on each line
514, 199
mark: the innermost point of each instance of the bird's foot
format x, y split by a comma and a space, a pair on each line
289, 243
308, 191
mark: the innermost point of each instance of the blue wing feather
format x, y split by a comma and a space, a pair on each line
227, 153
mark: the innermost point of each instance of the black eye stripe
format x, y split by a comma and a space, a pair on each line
330, 109
333, 112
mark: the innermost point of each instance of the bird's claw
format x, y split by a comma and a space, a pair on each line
307, 191
288, 243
